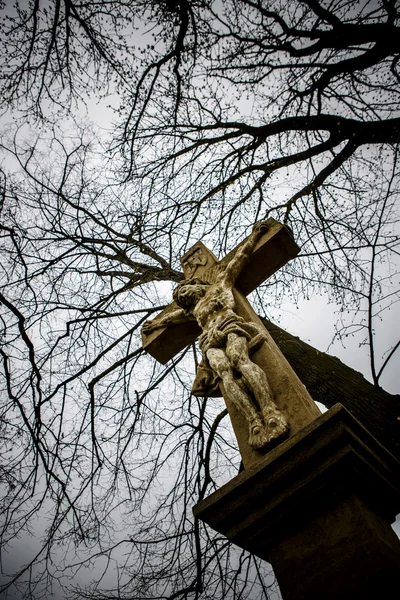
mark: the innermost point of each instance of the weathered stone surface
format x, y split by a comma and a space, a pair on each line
319, 508
226, 339
261, 391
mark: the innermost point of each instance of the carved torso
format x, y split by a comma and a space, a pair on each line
217, 300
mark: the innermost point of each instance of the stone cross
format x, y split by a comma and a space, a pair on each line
265, 399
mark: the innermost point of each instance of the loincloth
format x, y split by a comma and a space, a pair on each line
207, 382
217, 335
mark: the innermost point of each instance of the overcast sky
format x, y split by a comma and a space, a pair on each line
313, 321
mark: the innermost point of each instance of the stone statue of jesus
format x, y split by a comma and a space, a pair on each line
225, 342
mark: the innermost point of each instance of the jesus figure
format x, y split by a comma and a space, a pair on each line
225, 341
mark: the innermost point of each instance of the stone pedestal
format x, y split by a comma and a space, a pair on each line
318, 508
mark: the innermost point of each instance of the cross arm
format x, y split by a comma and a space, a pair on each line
169, 333
243, 253
273, 250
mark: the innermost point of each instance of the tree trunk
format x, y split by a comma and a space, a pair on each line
328, 381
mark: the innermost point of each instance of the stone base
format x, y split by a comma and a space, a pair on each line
318, 508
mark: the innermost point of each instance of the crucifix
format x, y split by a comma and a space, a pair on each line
265, 399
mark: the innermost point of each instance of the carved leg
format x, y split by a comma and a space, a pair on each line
255, 378
219, 363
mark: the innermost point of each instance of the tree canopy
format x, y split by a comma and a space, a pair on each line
223, 114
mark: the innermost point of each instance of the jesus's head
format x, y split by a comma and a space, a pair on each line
188, 292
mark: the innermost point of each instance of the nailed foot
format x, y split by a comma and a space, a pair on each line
274, 427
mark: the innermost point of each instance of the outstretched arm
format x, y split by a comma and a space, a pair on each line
243, 254
175, 316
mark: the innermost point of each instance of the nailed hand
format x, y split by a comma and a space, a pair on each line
260, 227
148, 327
